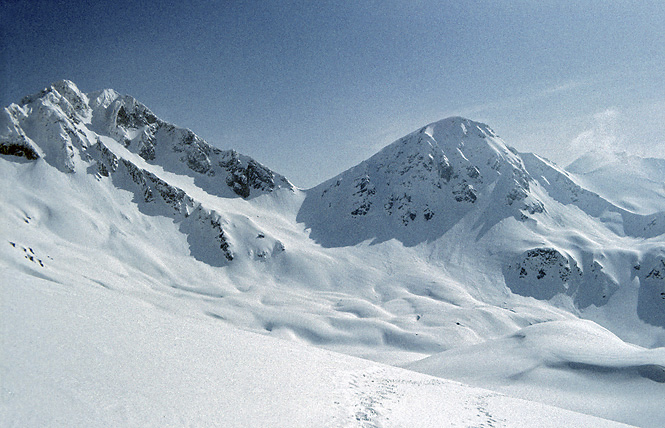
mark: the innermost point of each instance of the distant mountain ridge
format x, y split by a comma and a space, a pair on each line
634, 183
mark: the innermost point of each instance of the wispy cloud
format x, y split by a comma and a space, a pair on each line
603, 134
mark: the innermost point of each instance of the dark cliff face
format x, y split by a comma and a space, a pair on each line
245, 175
21, 150
544, 273
651, 296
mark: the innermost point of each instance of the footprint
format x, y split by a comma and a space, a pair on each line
369, 395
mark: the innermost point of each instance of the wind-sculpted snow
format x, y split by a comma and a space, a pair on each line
81, 356
558, 358
445, 240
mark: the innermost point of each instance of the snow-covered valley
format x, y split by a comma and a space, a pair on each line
81, 356
139, 262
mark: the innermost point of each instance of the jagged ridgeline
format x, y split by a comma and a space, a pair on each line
72, 122
98, 133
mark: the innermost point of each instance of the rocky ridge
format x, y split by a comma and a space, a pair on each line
69, 129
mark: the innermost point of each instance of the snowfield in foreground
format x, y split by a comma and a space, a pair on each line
82, 356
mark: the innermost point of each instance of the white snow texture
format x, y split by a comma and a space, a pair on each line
138, 263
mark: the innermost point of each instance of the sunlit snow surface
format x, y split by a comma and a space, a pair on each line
576, 365
634, 183
75, 355
132, 285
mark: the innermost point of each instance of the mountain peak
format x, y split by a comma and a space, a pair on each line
454, 145
63, 125
455, 139
458, 127
63, 88
471, 138
419, 186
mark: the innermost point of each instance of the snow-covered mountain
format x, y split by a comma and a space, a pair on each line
446, 244
419, 187
455, 181
109, 135
631, 182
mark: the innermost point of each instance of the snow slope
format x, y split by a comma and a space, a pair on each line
445, 241
631, 182
568, 364
76, 355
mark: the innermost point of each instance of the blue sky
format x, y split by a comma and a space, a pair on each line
311, 88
